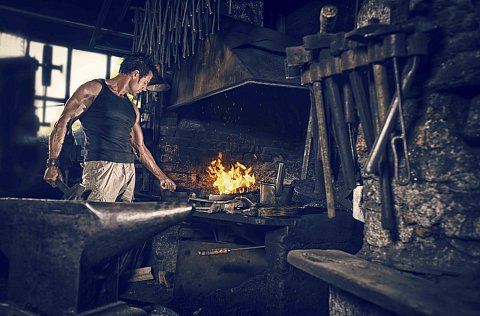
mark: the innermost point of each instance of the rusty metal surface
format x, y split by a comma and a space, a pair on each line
239, 54
54, 248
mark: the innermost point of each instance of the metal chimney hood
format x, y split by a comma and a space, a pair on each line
238, 54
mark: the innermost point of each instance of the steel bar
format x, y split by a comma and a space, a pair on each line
379, 145
339, 126
382, 100
362, 107
168, 31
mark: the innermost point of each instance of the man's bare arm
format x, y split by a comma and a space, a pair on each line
147, 159
80, 101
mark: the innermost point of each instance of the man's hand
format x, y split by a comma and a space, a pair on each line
167, 184
51, 175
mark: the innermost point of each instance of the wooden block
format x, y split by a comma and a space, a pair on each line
141, 274
162, 279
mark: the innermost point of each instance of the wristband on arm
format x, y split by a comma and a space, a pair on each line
52, 162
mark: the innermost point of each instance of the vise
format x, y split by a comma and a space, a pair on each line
61, 254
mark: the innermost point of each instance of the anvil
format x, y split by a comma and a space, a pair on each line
58, 250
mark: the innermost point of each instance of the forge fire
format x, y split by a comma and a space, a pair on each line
237, 179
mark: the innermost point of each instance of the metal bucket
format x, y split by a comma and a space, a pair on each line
276, 193
268, 196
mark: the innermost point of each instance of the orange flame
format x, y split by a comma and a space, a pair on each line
235, 180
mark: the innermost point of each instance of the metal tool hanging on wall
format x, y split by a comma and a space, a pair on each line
170, 29
325, 60
317, 126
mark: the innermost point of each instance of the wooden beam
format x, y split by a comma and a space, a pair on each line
125, 7
100, 20
396, 291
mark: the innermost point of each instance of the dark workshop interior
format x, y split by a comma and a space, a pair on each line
326, 156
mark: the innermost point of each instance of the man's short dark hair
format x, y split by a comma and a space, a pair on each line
137, 61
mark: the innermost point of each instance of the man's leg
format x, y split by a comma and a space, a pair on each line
134, 258
128, 188
102, 179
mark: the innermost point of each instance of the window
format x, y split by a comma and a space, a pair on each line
12, 46
115, 65
86, 66
54, 95
59, 57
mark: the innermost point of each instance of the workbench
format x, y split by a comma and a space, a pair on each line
386, 290
270, 285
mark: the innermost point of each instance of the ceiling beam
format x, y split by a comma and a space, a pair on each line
125, 7
100, 20
65, 22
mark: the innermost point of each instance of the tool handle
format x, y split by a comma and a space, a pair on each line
279, 180
348, 108
324, 150
328, 16
214, 251
62, 186
308, 140
340, 131
362, 107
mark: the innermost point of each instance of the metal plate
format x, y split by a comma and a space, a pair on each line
227, 197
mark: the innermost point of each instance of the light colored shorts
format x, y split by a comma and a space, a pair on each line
109, 181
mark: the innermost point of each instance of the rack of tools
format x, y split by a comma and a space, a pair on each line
335, 67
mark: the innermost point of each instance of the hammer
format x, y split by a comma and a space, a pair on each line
73, 193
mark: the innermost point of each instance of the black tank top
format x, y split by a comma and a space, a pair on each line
107, 125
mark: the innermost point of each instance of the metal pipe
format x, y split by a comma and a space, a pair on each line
382, 93
381, 141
